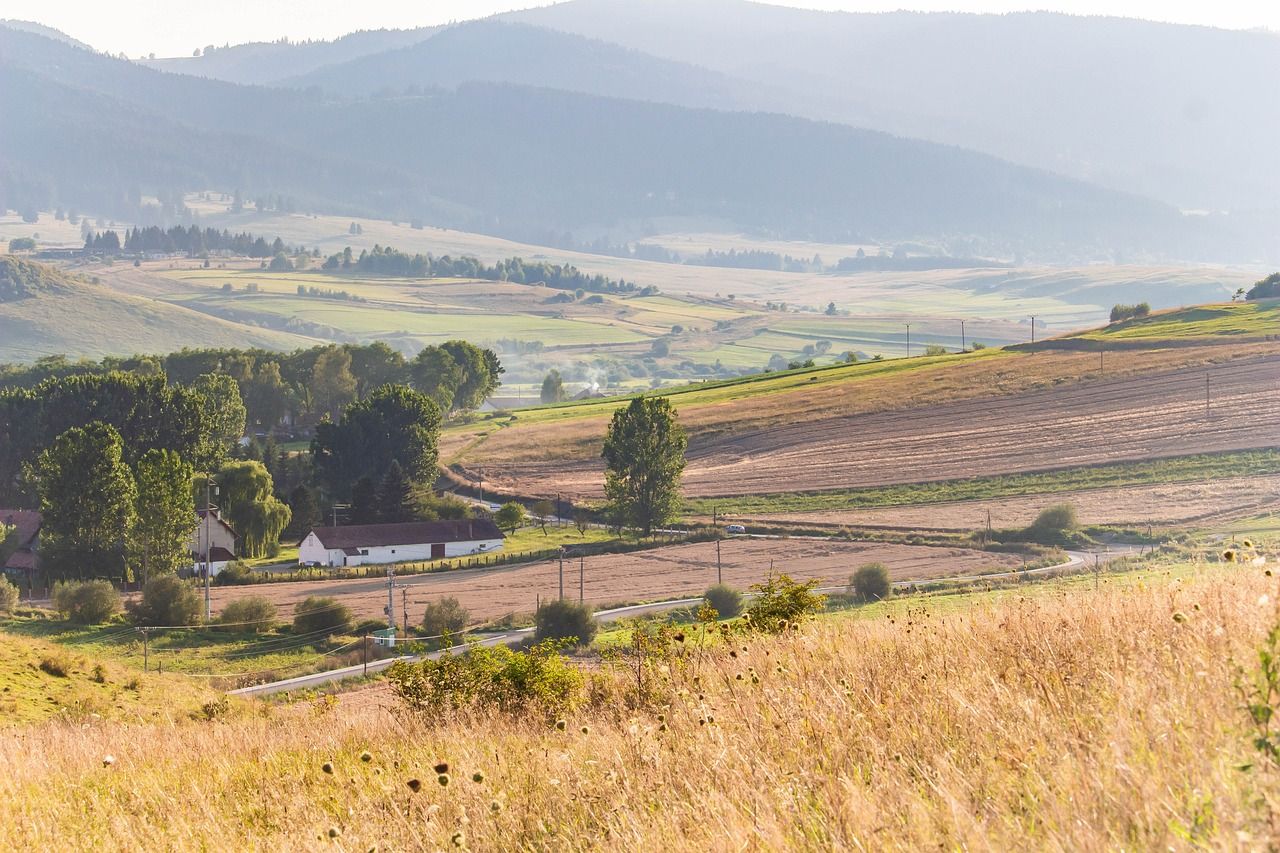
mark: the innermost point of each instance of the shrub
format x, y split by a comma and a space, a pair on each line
1128, 312
935, 349
56, 665
233, 574
871, 583
86, 602
565, 620
1059, 518
369, 626
726, 600
8, 596
317, 614
254, 614
445, 616
489, 677
167, 600
782, 602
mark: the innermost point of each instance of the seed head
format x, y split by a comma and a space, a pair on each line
442, 767
443, 779
586, 730
477, 777
334, 832
1229, 556
1179, 617
679, 637
561, 725
1248, 543
458, 839
415, 785
108, 760
495, 806
366, 757
327, 767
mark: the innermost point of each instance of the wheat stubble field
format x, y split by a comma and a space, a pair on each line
1058, 718
1020, 413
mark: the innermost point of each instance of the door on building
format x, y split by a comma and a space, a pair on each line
437, 552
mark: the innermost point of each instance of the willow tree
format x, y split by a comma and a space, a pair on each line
644, 460
250, 506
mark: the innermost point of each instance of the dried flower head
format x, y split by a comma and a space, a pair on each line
366, 757
477, 777
415, 785
442, 767
443, 780
327, 767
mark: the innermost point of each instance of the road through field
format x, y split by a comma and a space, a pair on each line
1072, 424
610, 579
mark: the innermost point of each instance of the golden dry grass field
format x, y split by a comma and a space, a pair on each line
1054, 717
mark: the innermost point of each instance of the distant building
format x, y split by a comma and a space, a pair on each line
363, 544
26, 524
220, 538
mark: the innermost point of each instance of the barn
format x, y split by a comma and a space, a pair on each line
364, 544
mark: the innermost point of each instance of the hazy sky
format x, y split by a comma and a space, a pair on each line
175, 27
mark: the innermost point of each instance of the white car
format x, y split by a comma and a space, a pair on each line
734, 528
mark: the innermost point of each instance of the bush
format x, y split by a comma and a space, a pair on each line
871, 583
445, 616
233, 574
167, 600
489, 677
254, 614
8, 596
369, 627
86, 602
781, 603
1128, 312
59, 666
935, 349
1059, 518
565, 620
317, 614
726, 600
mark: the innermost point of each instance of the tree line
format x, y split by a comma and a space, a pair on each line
384, 260
193, 241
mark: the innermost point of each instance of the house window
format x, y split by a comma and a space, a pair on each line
364, 552
393, 550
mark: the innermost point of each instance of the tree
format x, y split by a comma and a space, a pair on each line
553, 388
565, 620
305, 512
375, 365
724, 599
582, 521
644, 460
87, 501
165, 514
364, 501
392, 423
1267, 288
871, 582
265, 395
223, 417
542, 510
166, 600
332, 382
395, 496
437, 375
481, 372
444, 617
510, 517
831, 309
250, 506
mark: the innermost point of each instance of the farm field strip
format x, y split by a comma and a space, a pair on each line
670, 572
1077, 424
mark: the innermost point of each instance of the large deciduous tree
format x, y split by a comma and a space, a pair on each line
644, 460
481, 373
332, 382
87, 503
165, 514
223, 415
249, 505
392, 423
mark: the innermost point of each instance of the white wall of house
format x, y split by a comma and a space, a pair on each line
218, 536
312, 550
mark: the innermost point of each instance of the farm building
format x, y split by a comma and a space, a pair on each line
363, 544
212, 532
26, 534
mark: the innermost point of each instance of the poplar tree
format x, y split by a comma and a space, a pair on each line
644, 461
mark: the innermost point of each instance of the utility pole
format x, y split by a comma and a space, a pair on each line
1033, 328
582, 579
1101, 350
404, 608
208, 539
908, 340
1206, 394
719, 570
391, 598
562, 574
963, 348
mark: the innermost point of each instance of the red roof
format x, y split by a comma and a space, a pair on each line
408, 533
27, 523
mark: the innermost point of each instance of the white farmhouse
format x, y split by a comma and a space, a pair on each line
363, 544
213, 538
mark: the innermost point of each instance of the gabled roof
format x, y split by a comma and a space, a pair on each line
27, 527
216, 555
217, 516
408, 533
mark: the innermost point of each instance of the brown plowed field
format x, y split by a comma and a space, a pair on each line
673, 572
1160, 505
1153, 415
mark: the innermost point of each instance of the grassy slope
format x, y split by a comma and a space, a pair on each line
1053, 716
28, 693
1239, 321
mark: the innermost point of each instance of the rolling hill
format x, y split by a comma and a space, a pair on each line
527, 161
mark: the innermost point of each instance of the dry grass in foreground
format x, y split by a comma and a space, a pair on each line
1061, 718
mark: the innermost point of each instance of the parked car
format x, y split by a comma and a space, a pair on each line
734, 528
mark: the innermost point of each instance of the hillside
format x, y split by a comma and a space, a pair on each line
535, 161
1041, 89
1235, 321
58, 315
497, 52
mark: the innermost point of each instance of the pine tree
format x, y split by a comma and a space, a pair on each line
364, 501
395, 496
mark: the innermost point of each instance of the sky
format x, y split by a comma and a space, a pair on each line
141, 27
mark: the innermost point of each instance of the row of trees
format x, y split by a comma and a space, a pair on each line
384, 260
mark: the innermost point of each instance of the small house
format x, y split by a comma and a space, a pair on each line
364, 544
26, 535
217, 536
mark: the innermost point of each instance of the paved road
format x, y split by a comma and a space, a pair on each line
1075, 560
